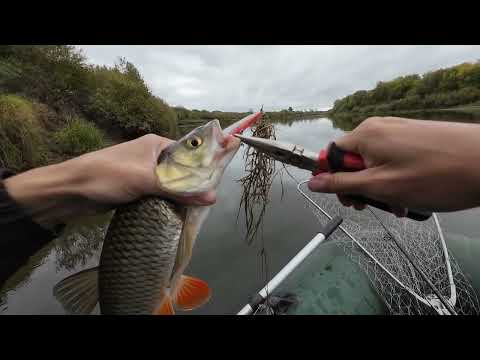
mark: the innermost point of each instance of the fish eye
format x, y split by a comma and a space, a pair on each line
194, 142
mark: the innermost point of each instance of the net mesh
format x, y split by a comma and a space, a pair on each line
391, 274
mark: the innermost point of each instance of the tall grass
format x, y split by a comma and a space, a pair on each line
22, 139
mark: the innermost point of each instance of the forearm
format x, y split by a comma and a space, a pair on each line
49, 195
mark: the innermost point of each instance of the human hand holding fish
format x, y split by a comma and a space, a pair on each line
96, 182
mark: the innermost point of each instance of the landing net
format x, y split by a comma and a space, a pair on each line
369, 238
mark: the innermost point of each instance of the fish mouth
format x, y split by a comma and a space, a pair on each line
230, 143
228, 146
227, 142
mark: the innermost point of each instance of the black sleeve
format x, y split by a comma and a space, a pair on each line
20, 236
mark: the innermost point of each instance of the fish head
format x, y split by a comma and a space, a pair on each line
195, 163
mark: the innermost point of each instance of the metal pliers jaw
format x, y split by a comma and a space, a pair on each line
287, 153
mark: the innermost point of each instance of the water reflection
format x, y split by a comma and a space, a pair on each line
23, 275
81, 242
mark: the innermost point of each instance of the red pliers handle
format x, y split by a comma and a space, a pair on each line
334, 159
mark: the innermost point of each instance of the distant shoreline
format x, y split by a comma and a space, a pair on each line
473, 109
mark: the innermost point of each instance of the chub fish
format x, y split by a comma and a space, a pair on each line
149, 242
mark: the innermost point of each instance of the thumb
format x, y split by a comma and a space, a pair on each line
340, 182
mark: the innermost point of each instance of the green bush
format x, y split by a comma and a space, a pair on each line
22, 143
121, 99
56, 75
78, 137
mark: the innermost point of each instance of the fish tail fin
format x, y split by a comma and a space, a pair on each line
78, 293
192, 293
165, 307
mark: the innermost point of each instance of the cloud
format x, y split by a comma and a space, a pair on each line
239, 78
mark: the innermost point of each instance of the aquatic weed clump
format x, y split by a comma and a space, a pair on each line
22, 140
256, 184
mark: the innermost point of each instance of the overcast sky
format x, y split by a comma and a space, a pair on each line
239, 78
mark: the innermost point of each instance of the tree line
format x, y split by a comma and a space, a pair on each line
443, 88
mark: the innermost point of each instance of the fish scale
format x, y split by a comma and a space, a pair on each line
138, 255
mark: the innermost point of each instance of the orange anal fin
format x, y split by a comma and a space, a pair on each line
165, 308
192, 293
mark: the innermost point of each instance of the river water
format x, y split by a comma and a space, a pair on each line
233, 269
